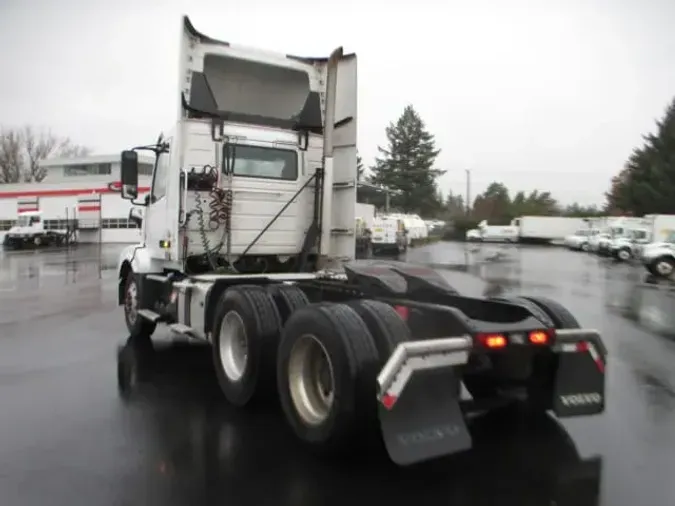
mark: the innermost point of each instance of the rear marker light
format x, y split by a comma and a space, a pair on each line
388, 401
403, 312
585, 346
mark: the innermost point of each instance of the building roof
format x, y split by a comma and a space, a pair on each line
86, 160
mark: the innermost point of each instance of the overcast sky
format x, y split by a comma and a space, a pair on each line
541, 94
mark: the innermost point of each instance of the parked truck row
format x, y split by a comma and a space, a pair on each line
649, 240
390, 233
248, 244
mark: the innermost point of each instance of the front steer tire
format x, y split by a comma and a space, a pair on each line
335, 332
139, 328
246, 315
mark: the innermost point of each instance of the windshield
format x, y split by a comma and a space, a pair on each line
264, 162
24, 221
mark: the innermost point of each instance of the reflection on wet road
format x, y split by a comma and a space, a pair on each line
67, 438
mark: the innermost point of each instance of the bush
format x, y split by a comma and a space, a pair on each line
421, 241
456, 231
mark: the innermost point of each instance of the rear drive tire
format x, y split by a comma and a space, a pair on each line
288, 299
384, 324
542, 384
326, 374
138, 327
559, 314
245, 335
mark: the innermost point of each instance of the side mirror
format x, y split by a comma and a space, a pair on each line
129, 175
146, 199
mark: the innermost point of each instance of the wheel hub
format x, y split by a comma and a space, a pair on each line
311, 380
233, 346
664, 268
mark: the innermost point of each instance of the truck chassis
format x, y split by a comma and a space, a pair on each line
383, 343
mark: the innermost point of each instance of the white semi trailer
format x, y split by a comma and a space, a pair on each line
248, 237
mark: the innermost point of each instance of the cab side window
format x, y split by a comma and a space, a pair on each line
160, 178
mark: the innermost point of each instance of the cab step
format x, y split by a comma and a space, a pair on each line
182, 329
149, 315
157, 277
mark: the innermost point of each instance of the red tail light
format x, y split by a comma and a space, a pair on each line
541, 337
403, 312
492, 341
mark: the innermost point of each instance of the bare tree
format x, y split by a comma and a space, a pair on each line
22, 150
11, 156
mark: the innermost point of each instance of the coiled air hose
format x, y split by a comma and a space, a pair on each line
219, 209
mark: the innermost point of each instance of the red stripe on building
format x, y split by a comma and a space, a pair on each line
88, 208
28, 210
63, 193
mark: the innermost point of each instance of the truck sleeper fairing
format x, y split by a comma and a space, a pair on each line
273, 102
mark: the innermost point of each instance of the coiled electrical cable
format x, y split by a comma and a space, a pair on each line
220, 206
219, 211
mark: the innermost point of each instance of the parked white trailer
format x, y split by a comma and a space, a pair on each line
492, 233
248, 237
547, 229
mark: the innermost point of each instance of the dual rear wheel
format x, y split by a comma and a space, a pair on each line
321, 360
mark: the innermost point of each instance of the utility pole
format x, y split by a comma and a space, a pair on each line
468, 191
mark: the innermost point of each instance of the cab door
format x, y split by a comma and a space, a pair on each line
156, 214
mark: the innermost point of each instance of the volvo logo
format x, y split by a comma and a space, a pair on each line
429, 435
581, 399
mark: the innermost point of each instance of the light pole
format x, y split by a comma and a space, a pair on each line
468, 191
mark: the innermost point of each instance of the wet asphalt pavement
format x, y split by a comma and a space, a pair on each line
67, 438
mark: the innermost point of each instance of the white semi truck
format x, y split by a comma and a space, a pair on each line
248, 242
30, 233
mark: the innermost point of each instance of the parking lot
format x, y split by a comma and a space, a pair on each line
67, 438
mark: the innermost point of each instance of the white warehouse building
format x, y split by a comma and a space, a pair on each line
78, 188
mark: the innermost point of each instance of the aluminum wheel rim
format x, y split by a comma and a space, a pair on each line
664, 268
624, 255
131, 303
311, 380
233, 346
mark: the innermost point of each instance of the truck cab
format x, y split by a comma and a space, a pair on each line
242, 182
659, 257
28, 231
27, 223
628, 245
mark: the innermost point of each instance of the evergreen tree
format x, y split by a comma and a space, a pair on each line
647, 182
406, 164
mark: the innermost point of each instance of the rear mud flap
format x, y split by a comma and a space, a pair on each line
580, 378
426, 422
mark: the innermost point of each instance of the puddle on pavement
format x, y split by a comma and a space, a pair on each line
636, 297
33, 270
